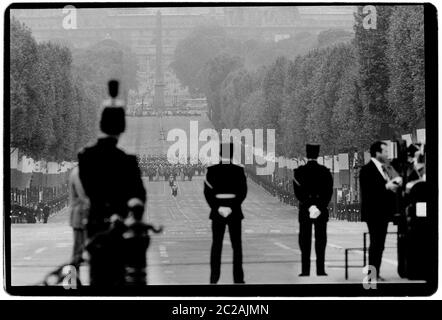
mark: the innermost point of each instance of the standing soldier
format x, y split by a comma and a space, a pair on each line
225, 188
174, 189
166, 173
171, 181
14, 213
181, 173
313, 186
30, 214
108, 193
46, 212
159, 172
191, 172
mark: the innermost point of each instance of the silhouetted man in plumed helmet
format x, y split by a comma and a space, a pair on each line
110, 177
313, 186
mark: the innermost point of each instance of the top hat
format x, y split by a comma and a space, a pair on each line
113, 120
312, 151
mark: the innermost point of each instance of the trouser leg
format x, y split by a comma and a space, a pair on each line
79, 240
305, 243
218, 229
235, 238
320, 245
378, 233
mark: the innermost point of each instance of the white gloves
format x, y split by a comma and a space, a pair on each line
224, 211
314, 212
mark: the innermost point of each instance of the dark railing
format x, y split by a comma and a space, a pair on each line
364, 252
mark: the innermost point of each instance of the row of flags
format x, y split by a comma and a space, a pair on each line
26, 164
25, 172
341, 161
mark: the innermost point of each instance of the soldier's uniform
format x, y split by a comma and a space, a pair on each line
313, 186
110, 177
226, 179
46, 213
14, 213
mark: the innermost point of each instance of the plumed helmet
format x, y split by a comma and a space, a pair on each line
113, 121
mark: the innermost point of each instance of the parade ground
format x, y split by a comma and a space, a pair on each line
181, 254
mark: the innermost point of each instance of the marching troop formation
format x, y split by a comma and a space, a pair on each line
37, 212
158, 166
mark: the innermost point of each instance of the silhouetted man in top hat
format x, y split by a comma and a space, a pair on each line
313, 186
225, 188
110, 177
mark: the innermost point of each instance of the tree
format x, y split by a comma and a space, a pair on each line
406, 94
54, 105
331, 37
235, 90
332, 63
348, 113
192, 53
258, 53
252, 111
214, 73
103, 61
23, 58
273, 89
297, 96
371, 45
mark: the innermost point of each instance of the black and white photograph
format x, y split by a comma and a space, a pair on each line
220, 149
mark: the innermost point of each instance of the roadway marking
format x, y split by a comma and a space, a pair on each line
17, 244
163, 251
63, 245
40, 250
283, 246
27, 258
360, 253
181, 211
171, 213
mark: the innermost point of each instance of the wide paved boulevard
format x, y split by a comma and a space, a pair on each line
180, 255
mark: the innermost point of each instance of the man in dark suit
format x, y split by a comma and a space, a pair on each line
377, 201
225, 188
110, 177
313, 186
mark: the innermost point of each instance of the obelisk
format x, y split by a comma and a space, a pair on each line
158, 100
